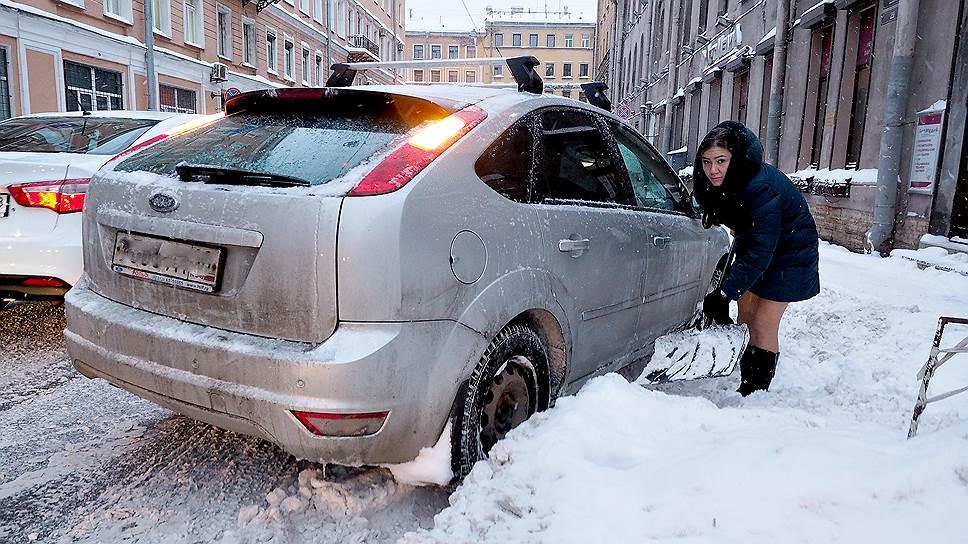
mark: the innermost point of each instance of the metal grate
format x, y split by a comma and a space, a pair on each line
4, 86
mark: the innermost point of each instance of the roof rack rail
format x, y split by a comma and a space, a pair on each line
522, 69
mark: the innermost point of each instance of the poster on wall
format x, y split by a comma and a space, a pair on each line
927, 147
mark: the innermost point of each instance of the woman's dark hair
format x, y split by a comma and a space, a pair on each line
747, 157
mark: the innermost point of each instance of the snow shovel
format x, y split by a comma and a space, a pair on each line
696, 353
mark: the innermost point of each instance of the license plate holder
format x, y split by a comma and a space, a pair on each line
184, 265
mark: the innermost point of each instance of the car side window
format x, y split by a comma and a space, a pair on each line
507, 165
576, 164
652, 186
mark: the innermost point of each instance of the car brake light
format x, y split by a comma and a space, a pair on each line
181, 129
44, 282
60, 196
420, 150
342, 424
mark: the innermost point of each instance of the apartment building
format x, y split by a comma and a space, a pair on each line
58, 54
562, 41
442, 44
682, 66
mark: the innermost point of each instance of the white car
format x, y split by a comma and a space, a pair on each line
46, 161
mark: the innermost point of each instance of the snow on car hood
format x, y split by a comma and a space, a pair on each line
21, 167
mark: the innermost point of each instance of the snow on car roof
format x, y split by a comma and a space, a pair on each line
123, 114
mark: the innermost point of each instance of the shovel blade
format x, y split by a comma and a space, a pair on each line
692, 354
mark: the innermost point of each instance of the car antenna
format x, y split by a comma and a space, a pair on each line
77, 98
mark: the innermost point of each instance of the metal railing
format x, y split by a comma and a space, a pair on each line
362, 42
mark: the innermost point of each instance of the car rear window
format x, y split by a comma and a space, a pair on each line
87, 135
315, 141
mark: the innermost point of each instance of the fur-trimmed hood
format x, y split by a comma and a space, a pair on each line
744, 165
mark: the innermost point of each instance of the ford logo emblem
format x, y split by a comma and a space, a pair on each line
163, 202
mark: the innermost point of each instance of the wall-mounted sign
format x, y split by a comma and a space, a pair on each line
232, 91
714, 50
927, 147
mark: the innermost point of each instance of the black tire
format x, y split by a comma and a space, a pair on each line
502, 392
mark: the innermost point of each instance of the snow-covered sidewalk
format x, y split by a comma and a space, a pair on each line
821, 457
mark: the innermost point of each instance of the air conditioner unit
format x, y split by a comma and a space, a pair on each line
219, 72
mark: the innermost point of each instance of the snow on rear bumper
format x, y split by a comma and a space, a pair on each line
250, 384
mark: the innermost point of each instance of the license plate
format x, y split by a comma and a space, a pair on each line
4, 204
179, 264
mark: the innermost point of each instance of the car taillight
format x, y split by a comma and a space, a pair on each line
420, 150
342, 424
60, 196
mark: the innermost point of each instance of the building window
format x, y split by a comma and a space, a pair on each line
304, 6
118, 9
582, 70
767, 82
566, 93
824, 40
741, 93
533, 40
96, 89
418, 52
248, 42
862, 84
723, 7
516, 40
193, 23
452, 76
319, 69
566, 69
453, 51
318, 11
176, 100
435, 76
569, 40
498, 39
470, 76
5, 112
161, 11
341, 18
470, 52
418, 76
550, 70
498, 71
703, 15
305, 65
586, 41
224, 20
288, 62
550, 40
272, 50
435, 51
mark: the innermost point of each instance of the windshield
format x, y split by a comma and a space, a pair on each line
88, 135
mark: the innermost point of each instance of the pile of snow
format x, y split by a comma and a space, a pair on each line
431, 466
686, 172
936, 257
821, 457
866, 176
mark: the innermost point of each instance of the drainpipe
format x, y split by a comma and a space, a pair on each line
895, 110
777, 81
666, 139
150, 56
613, 69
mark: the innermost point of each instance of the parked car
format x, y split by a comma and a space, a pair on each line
342, 271
46, 161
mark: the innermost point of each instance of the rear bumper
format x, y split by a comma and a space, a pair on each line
56, 254
250, 384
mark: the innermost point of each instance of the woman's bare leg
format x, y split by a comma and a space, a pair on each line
747, 307
765, 324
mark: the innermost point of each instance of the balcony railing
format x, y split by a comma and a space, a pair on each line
362, 42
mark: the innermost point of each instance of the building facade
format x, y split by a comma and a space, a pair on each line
442, 44
682, 66
563, 42
58, 54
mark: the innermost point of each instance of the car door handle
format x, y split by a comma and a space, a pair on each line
569, 246
661, 241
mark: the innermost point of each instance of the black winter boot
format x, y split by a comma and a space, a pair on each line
757, 368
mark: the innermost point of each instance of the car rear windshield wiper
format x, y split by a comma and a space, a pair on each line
207, 173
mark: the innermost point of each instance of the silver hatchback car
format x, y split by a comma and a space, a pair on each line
343, 271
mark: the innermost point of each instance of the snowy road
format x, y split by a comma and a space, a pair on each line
81, 461
821, 457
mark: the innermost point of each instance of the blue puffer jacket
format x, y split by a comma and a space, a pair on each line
776, 247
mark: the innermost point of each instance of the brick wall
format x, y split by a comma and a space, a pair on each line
848, 227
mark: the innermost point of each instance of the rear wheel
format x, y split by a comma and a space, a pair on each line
502, 393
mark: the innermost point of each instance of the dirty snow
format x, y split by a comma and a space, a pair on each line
431, 466
821, 457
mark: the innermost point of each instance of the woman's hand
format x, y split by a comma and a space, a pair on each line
716, 307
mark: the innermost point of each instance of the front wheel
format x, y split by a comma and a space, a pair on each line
502, 393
